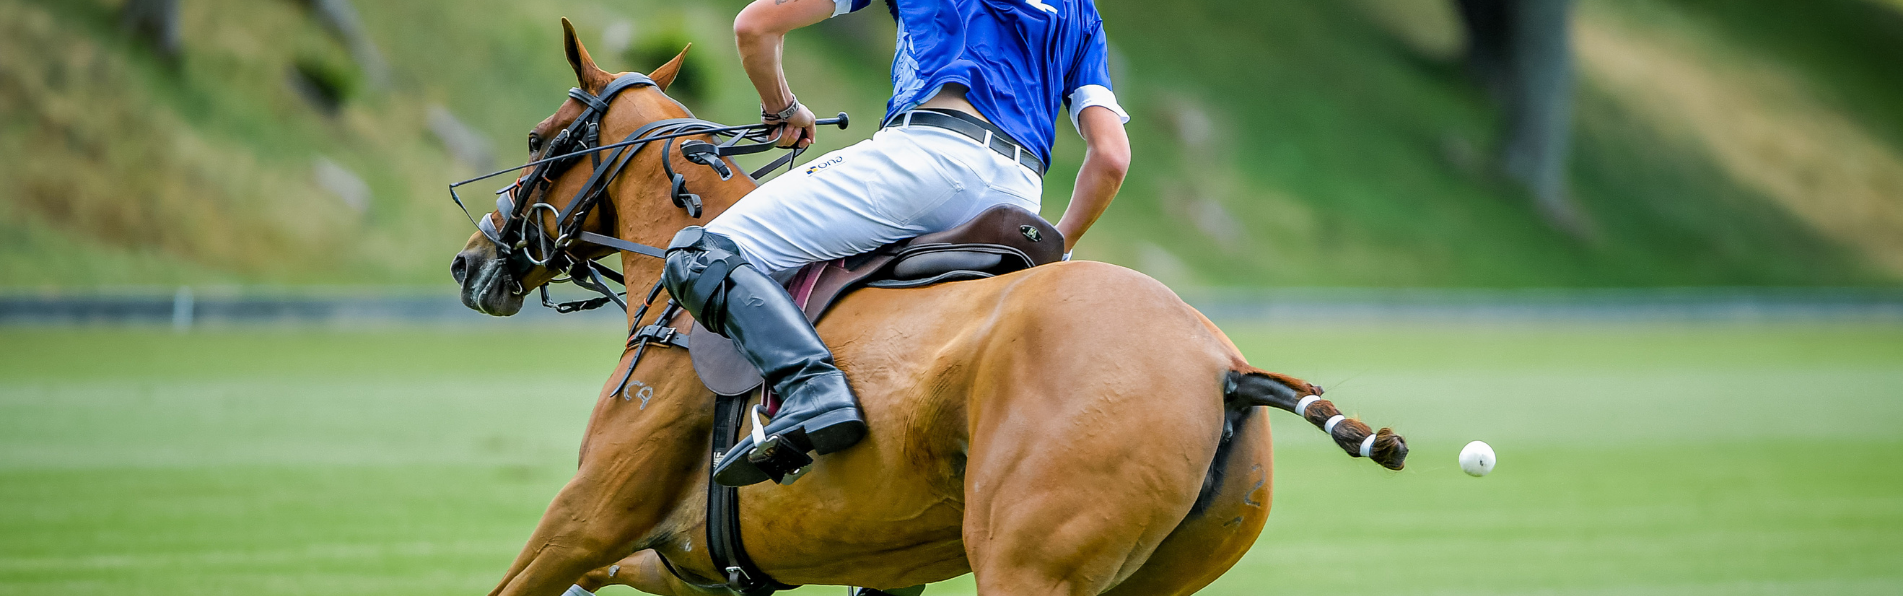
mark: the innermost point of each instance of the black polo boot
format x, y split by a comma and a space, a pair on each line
707, 275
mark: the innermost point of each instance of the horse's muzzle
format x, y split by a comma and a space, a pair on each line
487, 285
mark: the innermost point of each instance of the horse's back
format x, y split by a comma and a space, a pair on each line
1066, 335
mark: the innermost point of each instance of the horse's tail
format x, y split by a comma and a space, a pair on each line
1254, 387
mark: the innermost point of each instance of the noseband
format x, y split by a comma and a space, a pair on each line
524, 241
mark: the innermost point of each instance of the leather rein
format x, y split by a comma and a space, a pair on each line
525, 243
524, 240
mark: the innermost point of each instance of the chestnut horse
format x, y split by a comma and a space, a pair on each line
1074, 428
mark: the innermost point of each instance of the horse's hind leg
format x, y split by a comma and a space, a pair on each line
1228, 520
1070, 495
1222, 527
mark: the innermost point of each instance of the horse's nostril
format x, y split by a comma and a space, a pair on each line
459, 268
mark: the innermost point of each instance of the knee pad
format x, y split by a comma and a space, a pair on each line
695, 275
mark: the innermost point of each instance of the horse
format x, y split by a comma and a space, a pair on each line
1072, 428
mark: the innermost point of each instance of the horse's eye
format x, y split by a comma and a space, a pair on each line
535, 142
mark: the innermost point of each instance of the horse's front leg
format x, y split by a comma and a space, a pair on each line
645, 571
636, 463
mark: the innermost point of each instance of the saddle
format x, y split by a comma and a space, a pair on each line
999, 240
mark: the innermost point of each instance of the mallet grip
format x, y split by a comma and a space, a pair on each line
842, 121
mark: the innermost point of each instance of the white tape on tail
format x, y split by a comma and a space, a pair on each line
1301, 409
1329, 426
1367, 446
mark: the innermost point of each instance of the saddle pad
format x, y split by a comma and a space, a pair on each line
718, 360
721, 367
1001, 230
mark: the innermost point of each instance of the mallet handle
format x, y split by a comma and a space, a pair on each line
842, 120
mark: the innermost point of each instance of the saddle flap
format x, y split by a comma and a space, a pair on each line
837, 278
720, 365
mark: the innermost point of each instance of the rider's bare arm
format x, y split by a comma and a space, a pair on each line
1106, 159
760, 31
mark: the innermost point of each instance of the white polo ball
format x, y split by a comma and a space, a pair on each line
1476, 459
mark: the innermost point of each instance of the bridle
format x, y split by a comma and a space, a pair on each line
523, 239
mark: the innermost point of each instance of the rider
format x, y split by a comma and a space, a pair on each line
976, 85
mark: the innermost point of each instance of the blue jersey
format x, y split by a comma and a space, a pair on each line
1019, 59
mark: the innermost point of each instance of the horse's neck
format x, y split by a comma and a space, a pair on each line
720, 195
641, 271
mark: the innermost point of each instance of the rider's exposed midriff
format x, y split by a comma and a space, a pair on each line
952, 97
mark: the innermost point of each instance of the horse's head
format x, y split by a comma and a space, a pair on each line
524, 243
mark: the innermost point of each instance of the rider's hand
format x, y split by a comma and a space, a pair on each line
797, 131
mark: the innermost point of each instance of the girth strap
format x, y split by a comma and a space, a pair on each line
723, 511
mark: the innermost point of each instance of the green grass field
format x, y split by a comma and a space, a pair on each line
1674, 460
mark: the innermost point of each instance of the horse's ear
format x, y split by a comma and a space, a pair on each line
664, 75
590, 78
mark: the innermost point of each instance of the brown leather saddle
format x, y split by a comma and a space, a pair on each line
999, 240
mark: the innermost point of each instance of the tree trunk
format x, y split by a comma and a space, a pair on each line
155, 22
340, 18
1521, 52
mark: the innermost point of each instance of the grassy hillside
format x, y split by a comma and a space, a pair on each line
1277, 143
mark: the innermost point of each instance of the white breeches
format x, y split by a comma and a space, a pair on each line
903, 182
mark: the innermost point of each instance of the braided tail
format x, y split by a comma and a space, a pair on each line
1262, 388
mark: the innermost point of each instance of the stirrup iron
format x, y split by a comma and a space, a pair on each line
777, 455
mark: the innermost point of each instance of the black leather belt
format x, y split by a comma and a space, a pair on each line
985, 133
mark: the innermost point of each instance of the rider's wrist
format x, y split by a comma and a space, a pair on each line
782, 114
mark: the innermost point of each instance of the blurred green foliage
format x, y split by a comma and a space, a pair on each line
332, 79
1276, 143
695, 80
